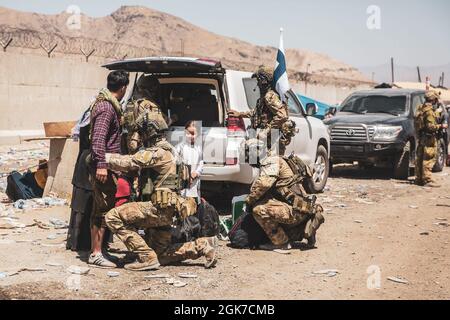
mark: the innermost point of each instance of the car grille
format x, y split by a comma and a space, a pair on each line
350, 133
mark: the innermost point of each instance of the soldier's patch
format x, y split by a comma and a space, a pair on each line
270, 166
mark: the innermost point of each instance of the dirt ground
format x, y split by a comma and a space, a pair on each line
376, 228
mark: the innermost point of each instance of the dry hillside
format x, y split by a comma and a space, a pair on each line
140, 31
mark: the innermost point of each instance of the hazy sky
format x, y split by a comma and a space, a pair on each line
415, 32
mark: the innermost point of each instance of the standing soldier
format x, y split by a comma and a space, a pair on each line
277, 199
270, 112
442, 119
159, 162
145, 99
427, 128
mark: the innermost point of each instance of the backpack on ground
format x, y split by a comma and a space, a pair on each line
247, 233
205, 223
23, 186
187, 230
209, 219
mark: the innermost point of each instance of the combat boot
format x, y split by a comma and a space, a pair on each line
210, 252
432, 185
143, 263
312, 226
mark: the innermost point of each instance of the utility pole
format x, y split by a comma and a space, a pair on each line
418, 74
306, 78
443, 79
392, 70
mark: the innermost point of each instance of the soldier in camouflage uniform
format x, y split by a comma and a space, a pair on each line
144, 99
278, 201
156, 216
270, 112
427, 128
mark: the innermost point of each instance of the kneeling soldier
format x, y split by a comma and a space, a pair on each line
158, 160
278, 200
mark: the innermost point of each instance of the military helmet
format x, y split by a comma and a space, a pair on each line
256, 151
431, 95
151, 124
264, 74
147, 86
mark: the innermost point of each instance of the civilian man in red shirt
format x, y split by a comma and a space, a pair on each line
106, 124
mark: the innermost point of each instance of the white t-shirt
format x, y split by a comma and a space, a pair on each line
191, 155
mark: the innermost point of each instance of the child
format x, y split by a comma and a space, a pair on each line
191, 154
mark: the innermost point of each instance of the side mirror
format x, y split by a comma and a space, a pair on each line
311, 109
332, 111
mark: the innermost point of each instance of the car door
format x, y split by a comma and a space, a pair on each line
301, 144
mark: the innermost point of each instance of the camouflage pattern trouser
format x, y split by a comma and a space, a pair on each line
272, 214
125, 220
425, 160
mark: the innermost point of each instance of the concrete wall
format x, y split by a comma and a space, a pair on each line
36, 89
330, 94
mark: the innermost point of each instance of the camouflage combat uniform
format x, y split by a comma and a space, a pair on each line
426, 127
133, 110
270, 112
279, 201
155, 216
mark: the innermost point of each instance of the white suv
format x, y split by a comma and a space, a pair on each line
201, 90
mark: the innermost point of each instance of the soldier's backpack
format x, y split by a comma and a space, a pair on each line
187, 230
209, 219
247, 233
205, 223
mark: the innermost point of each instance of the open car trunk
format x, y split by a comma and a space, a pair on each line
191, 89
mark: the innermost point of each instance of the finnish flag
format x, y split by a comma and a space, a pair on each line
280, 76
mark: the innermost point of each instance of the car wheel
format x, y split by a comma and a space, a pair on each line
321, 171
401, 163
441, 156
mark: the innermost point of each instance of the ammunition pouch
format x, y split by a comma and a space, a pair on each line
164, 198
186, 207
300, 168
304, 205
146, 185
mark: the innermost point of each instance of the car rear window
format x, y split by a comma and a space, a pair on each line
191, 101
251, 91
376, 104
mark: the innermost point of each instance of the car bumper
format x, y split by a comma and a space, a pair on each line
367, 151
235, 173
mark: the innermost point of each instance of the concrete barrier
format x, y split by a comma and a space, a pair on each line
36, 89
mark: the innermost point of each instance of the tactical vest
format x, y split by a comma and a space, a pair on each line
419, 119
290, 190
151, 180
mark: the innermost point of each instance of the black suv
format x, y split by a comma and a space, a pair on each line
376, 127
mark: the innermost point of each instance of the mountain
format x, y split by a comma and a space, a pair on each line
137, 31
407, 74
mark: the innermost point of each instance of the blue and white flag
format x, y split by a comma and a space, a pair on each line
280, 75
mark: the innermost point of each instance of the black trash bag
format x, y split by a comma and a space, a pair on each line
247, 233
209, 220
22, 186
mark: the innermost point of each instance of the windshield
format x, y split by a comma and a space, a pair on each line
395, 105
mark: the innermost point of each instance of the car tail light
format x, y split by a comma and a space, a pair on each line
231, 161
235, 125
